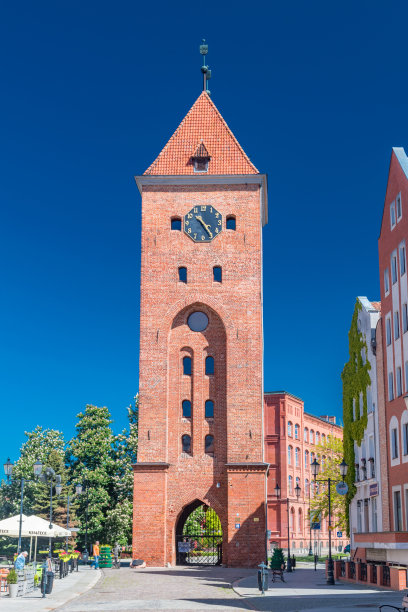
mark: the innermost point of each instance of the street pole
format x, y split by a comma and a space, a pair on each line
310, 524
50, 555
86, 521
20, 528
330, 572
289, 568
66, 539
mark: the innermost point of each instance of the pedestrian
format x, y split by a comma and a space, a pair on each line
116, 552
19, 563
96, 554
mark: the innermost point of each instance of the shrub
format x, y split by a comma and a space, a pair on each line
12, 577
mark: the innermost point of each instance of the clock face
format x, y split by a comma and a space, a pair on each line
203, 223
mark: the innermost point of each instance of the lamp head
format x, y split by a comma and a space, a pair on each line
58, 489
343, 469
38, 466
315, 465
297, 491
78, 489
277, 491
8, 468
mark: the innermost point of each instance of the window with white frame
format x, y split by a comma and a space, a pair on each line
297, 431
394, 443
388, 330
406, 374
311, 438
399, 382
392, 215
290, 485
405, 437
404, 318
317, 437
297, 453
386, 280
402, 259
306, 434
289, 455
394, 275
361, 404
306, 458
390, 386
374, 514
289, 429
397, 511
396, 325
399, 207
359, 517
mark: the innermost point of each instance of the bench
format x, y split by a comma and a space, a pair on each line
403, 608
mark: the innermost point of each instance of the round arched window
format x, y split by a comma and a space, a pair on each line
198, 321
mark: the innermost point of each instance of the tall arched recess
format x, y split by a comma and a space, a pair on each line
198, 535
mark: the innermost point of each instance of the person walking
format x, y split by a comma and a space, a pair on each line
96, 554
116, 553
19, 563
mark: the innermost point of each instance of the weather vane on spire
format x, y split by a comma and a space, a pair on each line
204, 68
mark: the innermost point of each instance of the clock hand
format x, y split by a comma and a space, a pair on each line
204, 225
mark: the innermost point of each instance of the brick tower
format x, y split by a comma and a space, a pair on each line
201, 343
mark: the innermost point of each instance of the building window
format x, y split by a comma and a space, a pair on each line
231, 223
306, 434
176, 224
399, 207
311, 439
182, 272
289, 429
209, 409
297, 453
405, 437
392, 215
300, 521
217, 274
394, 268
359, 517
396, 325
390, 386
404, 318
317, 437
186, 409
186, 444
209, 366
394, 442
399, 382
388, 330
297, 431
386, 280
402, 259
406, 374
306, 458
397, 511
209, 445
323, 439
290, 485
187, 366
307, 488
289, 455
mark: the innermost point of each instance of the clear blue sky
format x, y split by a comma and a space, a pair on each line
316, 93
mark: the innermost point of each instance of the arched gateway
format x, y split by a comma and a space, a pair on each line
200, 390
198, 536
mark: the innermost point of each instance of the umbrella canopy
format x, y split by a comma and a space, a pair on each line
31, 526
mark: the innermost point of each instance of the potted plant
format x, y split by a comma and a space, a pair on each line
12, 580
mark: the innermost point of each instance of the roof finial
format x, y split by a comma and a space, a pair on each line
205, 69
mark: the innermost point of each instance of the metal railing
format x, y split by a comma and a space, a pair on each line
363, 572
374, 574
343, 569
386, 579
352, 570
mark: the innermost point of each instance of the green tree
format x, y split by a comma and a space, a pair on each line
278, 560
119, 517
329, 454
91, 463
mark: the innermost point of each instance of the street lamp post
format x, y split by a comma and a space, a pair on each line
50, 477
78, 490
278, 494
8, 470
343, 471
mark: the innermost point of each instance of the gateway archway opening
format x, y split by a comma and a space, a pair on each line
198, 536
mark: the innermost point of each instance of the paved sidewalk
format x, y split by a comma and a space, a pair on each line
64, 590
306, 589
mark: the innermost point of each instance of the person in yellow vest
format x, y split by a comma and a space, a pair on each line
96, 554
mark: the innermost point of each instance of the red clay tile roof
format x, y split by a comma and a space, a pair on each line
377, 305
202, 124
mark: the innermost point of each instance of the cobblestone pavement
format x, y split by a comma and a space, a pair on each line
198, 589
203, 589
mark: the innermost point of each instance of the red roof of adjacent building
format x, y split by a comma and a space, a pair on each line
203, 125
377, 305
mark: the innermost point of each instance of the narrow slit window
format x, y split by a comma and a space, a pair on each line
176, 224
182, 273
186, 407
217, 274
209, 409
187, 366
231, 223
186, 444
209, 366
209, 445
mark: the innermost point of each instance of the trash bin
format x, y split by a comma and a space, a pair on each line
49, 582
